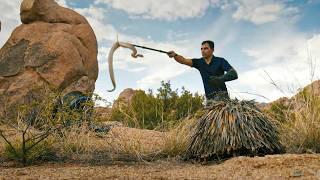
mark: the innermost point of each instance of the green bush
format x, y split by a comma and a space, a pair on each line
158, 111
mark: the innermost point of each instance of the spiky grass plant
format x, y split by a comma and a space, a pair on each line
232, 127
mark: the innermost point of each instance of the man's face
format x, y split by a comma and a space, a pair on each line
206, 51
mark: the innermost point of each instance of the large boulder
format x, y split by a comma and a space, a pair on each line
54, 48
125, 98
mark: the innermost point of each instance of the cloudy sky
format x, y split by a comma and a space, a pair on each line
266, 41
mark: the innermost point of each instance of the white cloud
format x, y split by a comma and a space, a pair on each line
313, 46
255, 11
9, 17
280, 49
289, 61
160, 9
92, 12
258, 15
262, 11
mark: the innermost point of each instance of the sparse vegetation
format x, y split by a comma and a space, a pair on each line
32, 127
301, 130
161, 111
299, 119
35, 134
32, 124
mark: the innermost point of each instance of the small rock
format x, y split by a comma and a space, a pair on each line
297, 173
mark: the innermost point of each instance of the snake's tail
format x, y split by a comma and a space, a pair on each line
110, 62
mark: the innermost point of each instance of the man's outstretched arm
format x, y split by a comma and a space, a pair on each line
180, 59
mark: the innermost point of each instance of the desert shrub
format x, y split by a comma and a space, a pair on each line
300, 133
299, 119
32, 151
33, 126
161, 110
35, 123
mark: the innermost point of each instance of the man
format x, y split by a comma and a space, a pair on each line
212, 70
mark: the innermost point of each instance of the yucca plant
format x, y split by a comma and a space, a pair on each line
232, 127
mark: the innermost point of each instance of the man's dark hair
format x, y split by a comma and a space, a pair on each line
211, 43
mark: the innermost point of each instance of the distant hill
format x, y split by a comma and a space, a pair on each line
295, 102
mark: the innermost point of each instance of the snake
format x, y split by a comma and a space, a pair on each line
114, 47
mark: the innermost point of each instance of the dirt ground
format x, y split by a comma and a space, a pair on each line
288, 166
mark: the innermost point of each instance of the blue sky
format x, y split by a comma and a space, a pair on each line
260, 39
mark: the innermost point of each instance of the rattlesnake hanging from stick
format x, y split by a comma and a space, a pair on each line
115, 46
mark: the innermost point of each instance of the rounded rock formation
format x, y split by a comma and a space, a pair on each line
55, 48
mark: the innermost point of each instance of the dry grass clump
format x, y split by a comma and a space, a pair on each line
135, 144
230, 128
176, 140
120, 144
300, 132
76, 143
